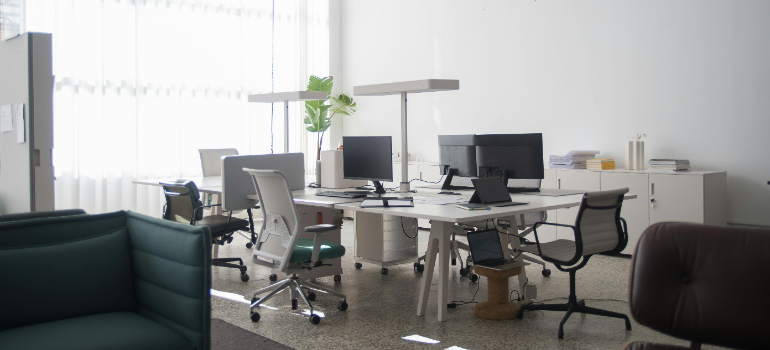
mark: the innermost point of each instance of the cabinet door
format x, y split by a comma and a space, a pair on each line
574, 180
676, 197
635, 211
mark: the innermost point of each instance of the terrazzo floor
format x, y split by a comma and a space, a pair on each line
382, 308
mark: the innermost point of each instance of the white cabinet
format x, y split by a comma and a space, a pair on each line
635, 211
693, 196
700, 199
574, 180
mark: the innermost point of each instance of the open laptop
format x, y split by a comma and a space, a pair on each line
487, 251
491, 191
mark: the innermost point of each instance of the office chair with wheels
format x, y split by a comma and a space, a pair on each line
598, 229
279, 246
702, 283
183, 204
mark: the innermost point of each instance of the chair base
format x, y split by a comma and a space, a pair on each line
226, 262
295, 287
573, 305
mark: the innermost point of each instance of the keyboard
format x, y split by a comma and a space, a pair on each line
341, 194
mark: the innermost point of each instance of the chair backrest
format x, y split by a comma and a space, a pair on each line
707, 284
598, 222
41, 214
275, 197
182, 200
211, 160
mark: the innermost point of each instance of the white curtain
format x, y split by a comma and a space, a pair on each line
140, 86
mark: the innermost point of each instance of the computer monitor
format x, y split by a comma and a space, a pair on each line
511, 156
457, 156
368, 158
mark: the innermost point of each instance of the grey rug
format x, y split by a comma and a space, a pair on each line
225, 336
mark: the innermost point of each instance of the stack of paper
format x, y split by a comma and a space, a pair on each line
669, 164
600, 164
573, 160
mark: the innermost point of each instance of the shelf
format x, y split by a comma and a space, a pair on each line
415, 86
289, 96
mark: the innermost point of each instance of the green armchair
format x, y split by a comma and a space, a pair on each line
110, 281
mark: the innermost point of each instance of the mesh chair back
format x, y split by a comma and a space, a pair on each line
211, 160
598, 221
182, 200
275, 197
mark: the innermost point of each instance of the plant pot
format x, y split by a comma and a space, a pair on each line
318, 173
635, 155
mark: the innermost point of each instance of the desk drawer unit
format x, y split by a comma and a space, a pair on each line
380, 239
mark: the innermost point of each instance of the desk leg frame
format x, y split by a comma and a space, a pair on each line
438, 247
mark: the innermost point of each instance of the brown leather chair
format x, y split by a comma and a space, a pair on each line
706, 284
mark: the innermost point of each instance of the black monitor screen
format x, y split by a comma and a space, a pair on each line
519, 156
485, 246
367, 158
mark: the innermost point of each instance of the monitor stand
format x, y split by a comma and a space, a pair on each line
447, 185
378, 189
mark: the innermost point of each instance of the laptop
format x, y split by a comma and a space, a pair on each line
487, 251
492, 191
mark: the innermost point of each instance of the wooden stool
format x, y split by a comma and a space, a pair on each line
498, 305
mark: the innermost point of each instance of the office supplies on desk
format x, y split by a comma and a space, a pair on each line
572, 160
473, 206
374, 202
487, 251
491, 191
343, 194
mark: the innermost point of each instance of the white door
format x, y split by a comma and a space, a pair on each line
585, 180
676, 197
635, 211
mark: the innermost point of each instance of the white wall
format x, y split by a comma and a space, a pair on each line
693, 75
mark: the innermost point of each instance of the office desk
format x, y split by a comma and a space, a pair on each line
444, 216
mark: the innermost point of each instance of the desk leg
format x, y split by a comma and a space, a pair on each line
438, 242
516, 244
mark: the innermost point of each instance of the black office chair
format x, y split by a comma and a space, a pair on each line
183, 204
597, 229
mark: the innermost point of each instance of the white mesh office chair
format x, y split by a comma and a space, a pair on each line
598, 229
283, 250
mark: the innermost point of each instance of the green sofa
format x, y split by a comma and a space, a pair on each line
110, 281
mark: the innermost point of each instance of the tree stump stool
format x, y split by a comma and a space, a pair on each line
498, 305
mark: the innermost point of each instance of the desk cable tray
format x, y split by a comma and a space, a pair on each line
385, 202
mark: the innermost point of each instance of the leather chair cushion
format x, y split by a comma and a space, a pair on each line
303, 250
641, 345
115, 330
703, 283
218, 224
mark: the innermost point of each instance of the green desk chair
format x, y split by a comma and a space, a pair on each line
278, 245
183, 204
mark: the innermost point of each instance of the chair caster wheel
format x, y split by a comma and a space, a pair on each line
474, 277
254, 300
358, 266
420, 267
244, 277
254, 316
454, 262
230, 240
273, 277
342, 305
315, 319
311, 296
384, 271
337, 278
249, 245
546, 272
463, 271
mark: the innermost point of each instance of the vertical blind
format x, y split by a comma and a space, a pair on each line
140, 86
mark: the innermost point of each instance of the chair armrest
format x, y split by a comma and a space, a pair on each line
320, 228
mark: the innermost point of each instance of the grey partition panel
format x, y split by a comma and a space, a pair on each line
26, 171
237, 184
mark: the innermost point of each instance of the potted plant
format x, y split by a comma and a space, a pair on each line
319, 113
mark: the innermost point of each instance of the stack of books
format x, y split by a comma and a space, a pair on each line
600, 164
669, 164
573, 160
